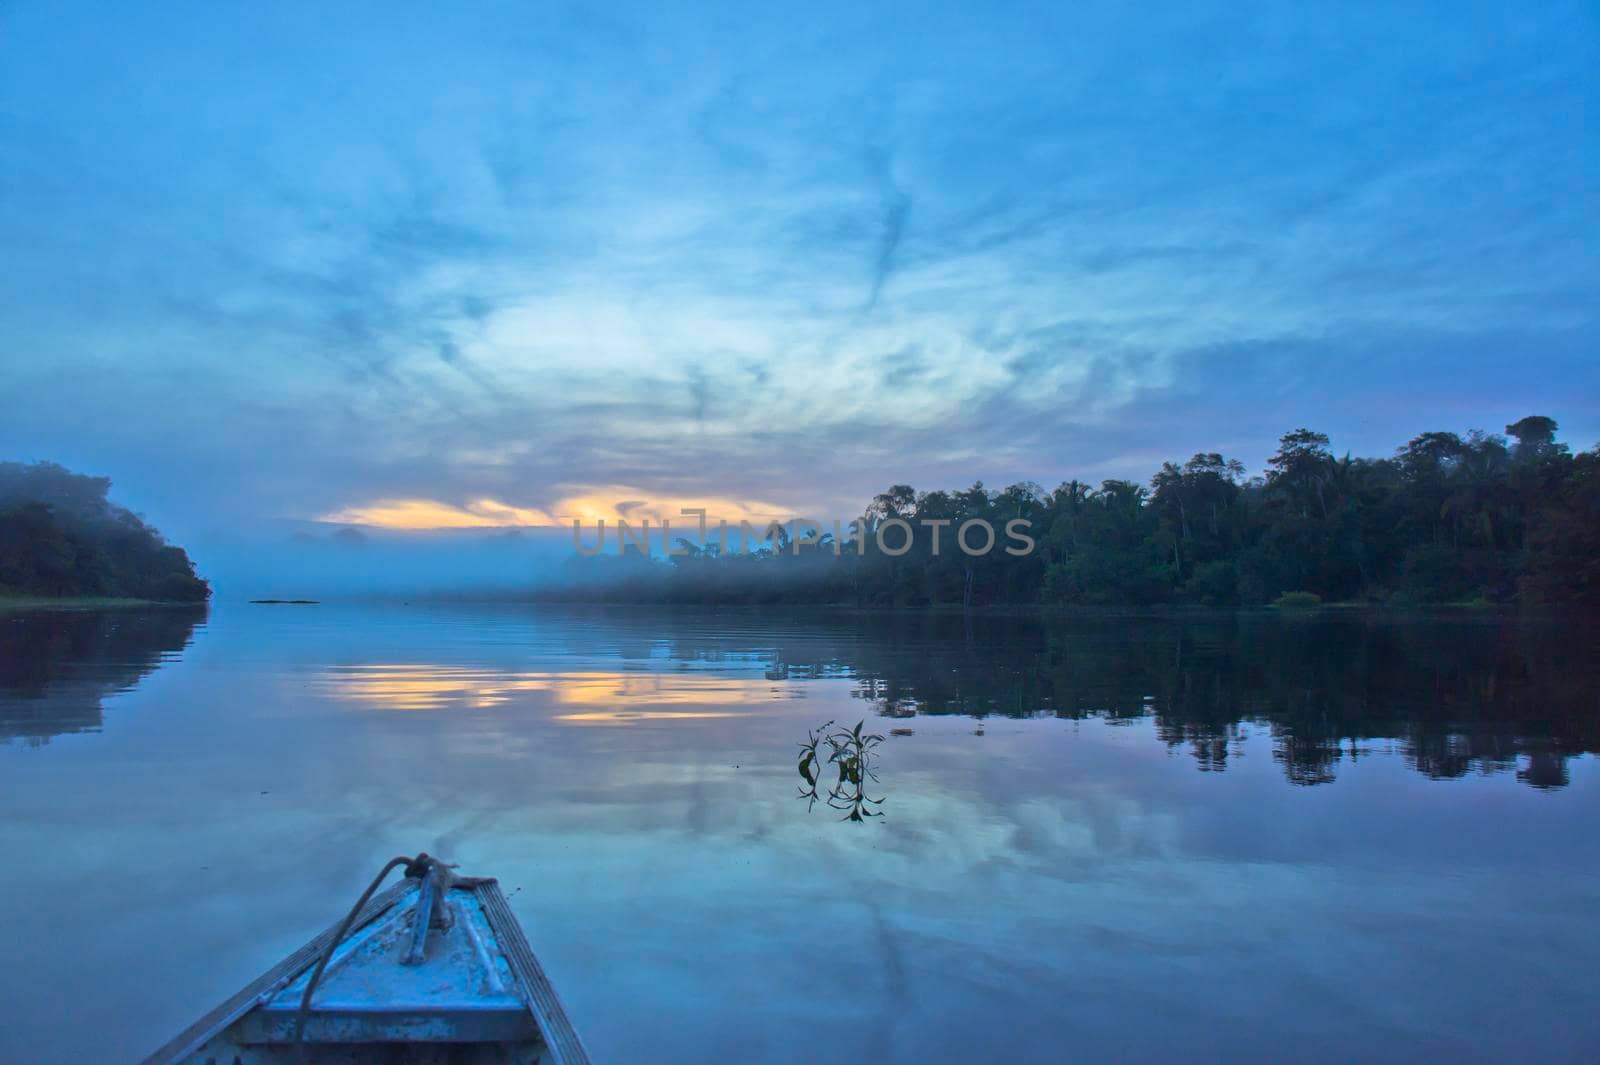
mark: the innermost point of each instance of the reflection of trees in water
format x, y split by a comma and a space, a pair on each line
1453, 695
57, 666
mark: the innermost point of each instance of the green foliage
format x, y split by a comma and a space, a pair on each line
1214, 584
1448, 519
61, 536
1435, 573
1563, 544
853, 754
1298, 601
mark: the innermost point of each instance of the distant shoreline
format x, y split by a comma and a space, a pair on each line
82, 602
987, 610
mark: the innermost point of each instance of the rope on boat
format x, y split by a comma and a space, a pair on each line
416, 869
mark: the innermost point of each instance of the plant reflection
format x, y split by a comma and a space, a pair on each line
1452, 694
853, 752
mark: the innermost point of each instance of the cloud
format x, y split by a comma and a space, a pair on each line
496, 266
432, 514
896, 206
587, 504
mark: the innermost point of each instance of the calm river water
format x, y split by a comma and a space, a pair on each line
1143, 839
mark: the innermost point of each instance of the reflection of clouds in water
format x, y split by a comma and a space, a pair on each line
428, 687
621, 699
739, 784
1059, 836
1035, 872
628, 717
615, 695
1056, 881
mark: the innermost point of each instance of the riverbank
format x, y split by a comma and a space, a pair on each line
80, 602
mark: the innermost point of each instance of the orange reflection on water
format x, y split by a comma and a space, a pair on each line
607, 697
425, 687
604, 689
628, 717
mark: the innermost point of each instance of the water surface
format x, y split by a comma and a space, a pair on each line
1140, 839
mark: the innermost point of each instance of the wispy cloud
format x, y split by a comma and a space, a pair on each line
586, 505
471, 268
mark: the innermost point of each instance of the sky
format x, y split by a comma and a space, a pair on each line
512, 264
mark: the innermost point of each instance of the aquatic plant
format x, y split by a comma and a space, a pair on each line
853, 753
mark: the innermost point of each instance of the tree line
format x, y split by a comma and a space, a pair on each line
61, 536
1481, 518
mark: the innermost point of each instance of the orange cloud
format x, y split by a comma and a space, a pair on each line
432, 514
587, 504
611, 502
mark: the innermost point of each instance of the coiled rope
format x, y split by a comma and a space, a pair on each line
416, 869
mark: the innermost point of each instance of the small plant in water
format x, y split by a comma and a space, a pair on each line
853, 752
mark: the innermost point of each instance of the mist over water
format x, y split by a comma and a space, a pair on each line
317, 560
1142, 838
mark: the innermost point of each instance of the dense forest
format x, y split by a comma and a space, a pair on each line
1448, 519
61, 536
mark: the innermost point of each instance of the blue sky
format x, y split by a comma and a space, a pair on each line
510, 262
